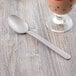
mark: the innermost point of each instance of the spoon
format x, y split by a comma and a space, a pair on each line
19, 26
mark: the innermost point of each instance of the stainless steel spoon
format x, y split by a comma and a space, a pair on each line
19, 26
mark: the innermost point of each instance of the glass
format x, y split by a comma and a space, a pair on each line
61, 22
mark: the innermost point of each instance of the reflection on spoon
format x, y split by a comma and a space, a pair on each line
19, 26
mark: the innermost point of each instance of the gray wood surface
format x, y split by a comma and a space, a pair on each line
23, 55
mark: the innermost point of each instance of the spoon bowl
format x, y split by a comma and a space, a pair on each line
17, 24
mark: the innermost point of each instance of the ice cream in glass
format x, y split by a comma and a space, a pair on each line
61, 21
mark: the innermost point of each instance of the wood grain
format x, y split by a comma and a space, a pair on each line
23, 55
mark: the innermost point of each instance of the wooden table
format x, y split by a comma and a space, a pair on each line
23, 55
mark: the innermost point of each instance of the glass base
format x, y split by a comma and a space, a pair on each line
60, 24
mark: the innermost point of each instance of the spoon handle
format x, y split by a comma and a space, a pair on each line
51, 46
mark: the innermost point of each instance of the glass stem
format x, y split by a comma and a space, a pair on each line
58, 19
